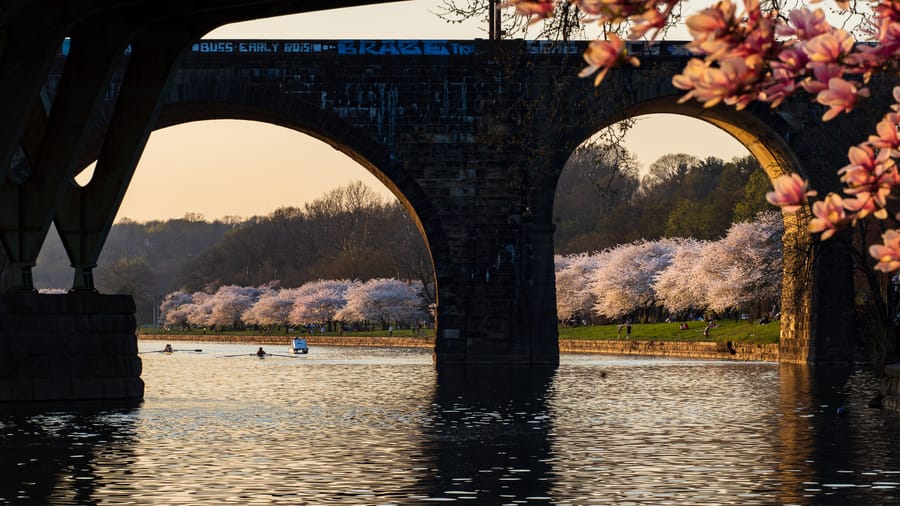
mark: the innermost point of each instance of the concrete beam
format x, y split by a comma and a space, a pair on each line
27, 209
30, 44
86, 214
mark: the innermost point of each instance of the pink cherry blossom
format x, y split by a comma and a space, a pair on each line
791, 193
888, 253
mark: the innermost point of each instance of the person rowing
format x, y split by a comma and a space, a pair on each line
261, 352
168, 348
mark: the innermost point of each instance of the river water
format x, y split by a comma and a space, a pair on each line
382, 426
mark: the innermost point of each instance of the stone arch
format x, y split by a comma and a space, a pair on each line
766, 134
268, 106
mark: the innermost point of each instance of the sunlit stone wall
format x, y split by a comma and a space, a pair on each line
68, 346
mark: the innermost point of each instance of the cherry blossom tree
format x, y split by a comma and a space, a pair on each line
225, 307
682, 285
319, 301
199, 310
623, 283
272, 308
386, 300
743, 270
764, 55
573, 298
174, 308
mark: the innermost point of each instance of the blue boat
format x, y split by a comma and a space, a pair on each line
299, 346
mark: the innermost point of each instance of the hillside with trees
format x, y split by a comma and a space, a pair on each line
679, 196
349, 233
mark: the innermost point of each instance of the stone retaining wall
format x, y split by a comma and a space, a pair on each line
75, 346
702, 350
677, 349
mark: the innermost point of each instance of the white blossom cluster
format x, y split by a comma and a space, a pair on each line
386, 300
741, 270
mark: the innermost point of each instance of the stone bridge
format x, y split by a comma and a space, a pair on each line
470, 135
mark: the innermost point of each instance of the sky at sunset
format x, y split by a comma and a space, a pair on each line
239, 168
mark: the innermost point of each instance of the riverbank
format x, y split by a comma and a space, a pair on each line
675, 349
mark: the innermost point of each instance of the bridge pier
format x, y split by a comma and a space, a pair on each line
64, 347
500, 308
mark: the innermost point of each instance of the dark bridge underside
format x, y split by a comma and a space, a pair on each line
471, 135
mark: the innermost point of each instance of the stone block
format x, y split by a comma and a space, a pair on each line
9, 324
39, 367
134, 388
47, 324
21, 390
52, 389
115, 388
87, 388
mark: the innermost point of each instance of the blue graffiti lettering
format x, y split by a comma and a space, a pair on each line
435, 47
409, 47
213, 46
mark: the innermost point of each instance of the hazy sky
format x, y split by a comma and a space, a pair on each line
240, 168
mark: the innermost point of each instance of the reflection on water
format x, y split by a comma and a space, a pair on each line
382, 426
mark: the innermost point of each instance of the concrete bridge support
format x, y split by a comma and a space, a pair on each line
76, 346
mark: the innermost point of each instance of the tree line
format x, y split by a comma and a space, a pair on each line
349, 233
329, 304
679, 196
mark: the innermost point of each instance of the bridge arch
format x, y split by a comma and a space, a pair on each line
766, 134
298, 115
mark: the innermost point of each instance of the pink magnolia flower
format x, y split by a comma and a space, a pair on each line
888, 136
777, 87
603, 54
712, 22
865, 165
791, 193
829, 47
888, 253
840, 97
804, 24
822, 73
863, 204
651, 19
712, 85
829, 216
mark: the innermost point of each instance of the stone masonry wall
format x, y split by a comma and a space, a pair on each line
76, 346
